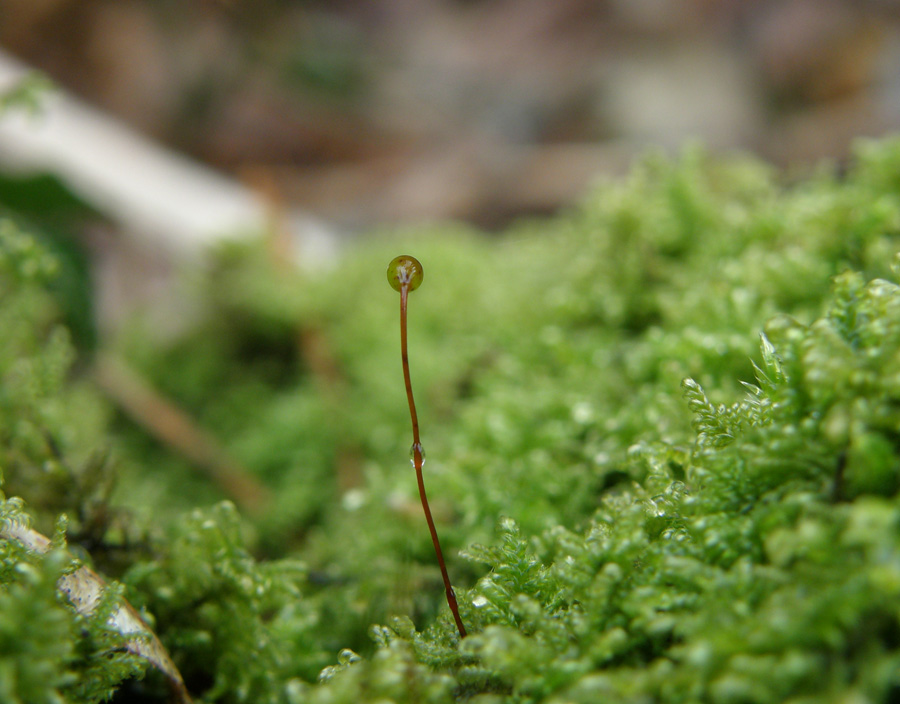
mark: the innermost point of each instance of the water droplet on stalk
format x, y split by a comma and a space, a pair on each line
412, 453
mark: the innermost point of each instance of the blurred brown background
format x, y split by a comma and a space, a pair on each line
372, 111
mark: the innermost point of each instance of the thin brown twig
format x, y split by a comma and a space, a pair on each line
168, 423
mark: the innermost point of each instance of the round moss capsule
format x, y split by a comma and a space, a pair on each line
404, 270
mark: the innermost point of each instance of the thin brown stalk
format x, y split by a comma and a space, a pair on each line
418, 458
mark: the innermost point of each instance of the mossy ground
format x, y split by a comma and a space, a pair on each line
663, 438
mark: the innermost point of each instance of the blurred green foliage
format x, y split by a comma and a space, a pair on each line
52, 425
663, 437
27, 93
52, 215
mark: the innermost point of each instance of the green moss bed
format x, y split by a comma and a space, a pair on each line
663, 442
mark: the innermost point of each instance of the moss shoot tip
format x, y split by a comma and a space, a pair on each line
405, 270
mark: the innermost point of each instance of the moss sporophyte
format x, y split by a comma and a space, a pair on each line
405, 274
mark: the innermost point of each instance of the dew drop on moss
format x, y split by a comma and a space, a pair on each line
348, 657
